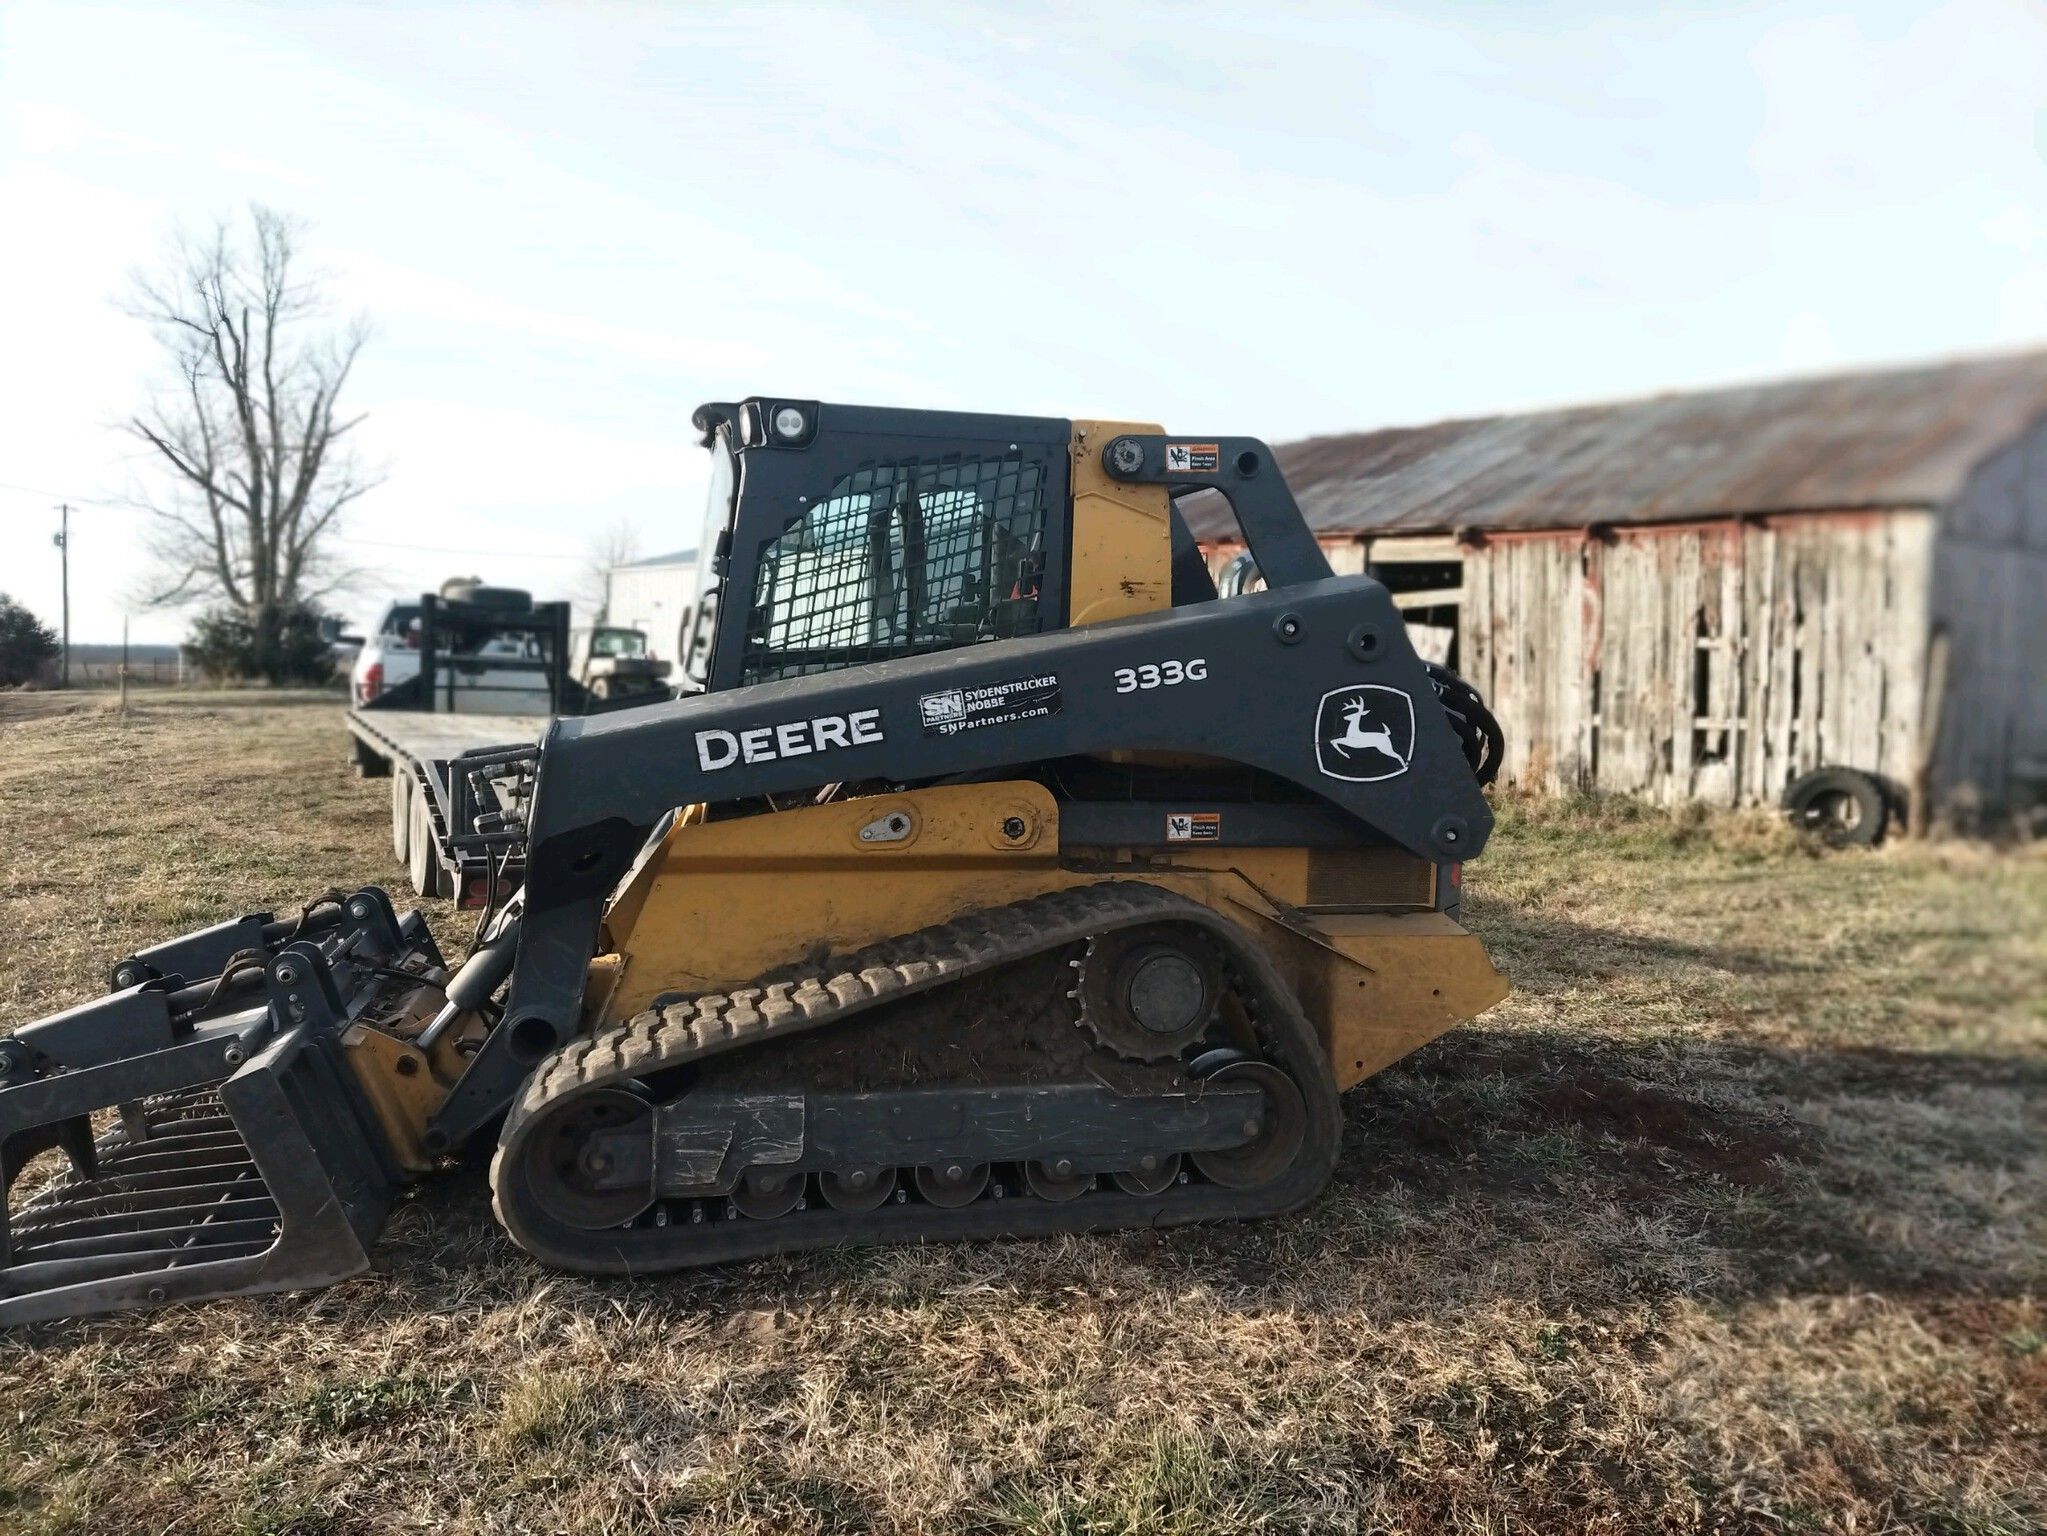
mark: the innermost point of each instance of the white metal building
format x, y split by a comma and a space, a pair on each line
658, 597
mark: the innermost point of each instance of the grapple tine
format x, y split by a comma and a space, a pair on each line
234, 1152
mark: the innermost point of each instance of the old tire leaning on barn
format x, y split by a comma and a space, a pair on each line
1843, 807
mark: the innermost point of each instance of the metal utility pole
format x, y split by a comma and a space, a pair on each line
64, 549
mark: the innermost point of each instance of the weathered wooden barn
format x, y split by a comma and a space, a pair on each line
1702, 596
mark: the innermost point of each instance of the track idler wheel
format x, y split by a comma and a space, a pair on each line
569, 1175
1148, 994
952, 1185
1275, 1134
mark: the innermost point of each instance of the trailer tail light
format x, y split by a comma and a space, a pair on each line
1457, 876
372, 683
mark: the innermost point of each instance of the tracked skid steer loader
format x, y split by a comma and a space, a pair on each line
1004, 880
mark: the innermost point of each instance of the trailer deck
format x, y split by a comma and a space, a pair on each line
416, 734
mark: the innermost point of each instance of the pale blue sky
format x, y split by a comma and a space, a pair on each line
572, 224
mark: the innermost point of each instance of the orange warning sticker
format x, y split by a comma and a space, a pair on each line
1193, 458
1194, 826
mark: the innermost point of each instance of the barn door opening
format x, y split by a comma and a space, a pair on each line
1430, 597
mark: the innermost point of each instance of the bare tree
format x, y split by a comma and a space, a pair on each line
252, 431
615, 546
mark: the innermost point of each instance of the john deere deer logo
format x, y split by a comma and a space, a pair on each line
1364, 733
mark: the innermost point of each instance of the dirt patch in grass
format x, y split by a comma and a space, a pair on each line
1733, 1218
1461, 1109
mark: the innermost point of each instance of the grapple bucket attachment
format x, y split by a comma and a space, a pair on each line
198, 1132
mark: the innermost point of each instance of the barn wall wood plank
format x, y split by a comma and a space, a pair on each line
1907, 630
1621, 701
1773, 603
1989, 594
1865, 626
1713, 725
1587, 616
1808, 681
1751, 662
1648, 630
1678, 576
1850, 726
1574, 677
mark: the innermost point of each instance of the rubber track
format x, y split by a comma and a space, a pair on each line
679, 1032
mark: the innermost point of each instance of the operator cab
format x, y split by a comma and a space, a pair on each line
861, 534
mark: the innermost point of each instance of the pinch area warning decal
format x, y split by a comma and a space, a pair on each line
953, 710
1194, 826
1193, 458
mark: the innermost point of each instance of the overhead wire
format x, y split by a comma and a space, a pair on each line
340, 538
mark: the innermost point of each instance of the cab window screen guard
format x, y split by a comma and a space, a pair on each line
898, 559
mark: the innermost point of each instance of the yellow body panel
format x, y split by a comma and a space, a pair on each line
1122, 534
723, 901
402, 1088
1377, 985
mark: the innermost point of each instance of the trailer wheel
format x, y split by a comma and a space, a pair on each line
1843, 806
429, 878
401, 816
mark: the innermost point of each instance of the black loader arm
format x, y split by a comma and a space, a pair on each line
1242, 469
1316, 683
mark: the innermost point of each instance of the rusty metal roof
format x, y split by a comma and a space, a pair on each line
1894, 439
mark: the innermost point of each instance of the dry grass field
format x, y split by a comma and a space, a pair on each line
1733, 1218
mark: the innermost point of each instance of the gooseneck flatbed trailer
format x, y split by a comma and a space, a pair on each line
484, 680
424, 758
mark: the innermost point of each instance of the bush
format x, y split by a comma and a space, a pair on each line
27, 646
272, 645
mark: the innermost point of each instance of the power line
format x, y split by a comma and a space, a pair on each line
459, 549
88, 501
339, 538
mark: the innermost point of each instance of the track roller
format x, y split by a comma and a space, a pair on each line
765, 1193
1057, 1181
1161, 1176
952, 1186
857, 1189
